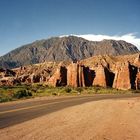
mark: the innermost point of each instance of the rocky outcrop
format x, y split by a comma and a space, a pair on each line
100, 76
137, 73
137, 61
138, 80
117, 72
6, 73
59, 78
75, 75
103, 76
7, 77
122, 76
89, 75
8, 81
79, 76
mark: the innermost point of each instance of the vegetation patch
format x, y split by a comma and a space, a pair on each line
22, 94
27, 91
4, 98
68, 89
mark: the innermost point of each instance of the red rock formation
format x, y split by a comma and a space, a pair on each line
100, 76
137, 61
7, 77
138, 81
75, 75
89, 76
121, 72
79, 76
59, 78
7, 73
8, 81
122, 77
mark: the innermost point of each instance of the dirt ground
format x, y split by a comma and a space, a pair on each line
98, 120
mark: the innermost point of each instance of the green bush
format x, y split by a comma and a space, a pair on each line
79, 89
135, 91
97, 88
21, 94
68, 89
4, 98
54, 94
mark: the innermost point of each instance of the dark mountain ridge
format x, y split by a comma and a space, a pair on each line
64, 49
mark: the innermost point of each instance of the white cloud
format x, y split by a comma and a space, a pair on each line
131, 38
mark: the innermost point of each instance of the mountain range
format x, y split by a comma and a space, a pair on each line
69, 48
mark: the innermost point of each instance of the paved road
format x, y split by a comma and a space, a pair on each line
15, 113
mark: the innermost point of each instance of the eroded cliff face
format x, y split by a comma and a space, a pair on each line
79, 76
138, 80
59, 78
122, 72
122, 76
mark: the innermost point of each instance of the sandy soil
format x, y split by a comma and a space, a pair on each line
98, 120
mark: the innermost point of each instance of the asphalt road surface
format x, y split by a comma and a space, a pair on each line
18, 112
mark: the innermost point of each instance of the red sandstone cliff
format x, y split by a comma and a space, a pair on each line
121, 72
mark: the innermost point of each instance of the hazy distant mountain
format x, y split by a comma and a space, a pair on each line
64, 48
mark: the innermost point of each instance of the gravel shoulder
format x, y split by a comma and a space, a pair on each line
97, 120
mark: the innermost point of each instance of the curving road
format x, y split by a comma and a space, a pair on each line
18, 112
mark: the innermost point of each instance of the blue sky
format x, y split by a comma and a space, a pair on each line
24, 21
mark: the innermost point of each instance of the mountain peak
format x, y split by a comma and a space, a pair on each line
66, 48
